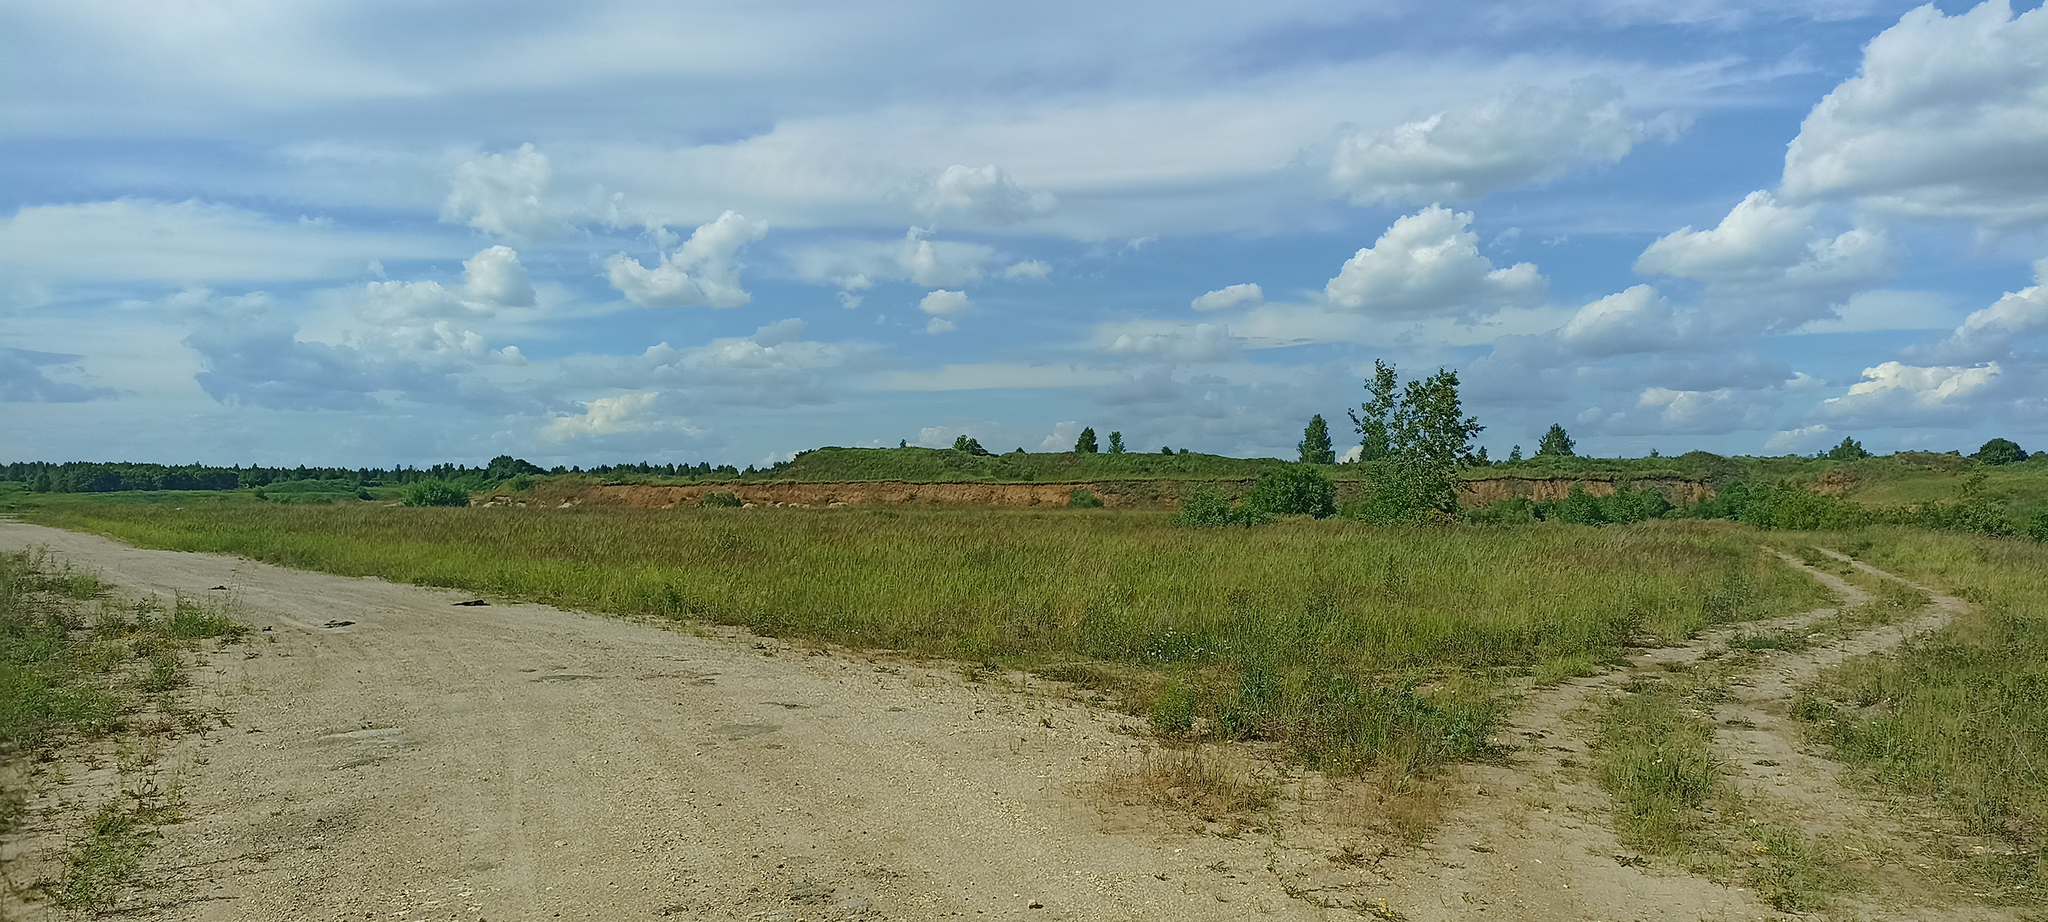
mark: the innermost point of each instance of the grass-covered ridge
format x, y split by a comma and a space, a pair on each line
1351, 644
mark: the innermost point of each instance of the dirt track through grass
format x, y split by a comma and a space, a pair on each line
394, 752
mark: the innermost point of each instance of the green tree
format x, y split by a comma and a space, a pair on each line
1086, 443
968, 445
1556, 444
1429, 438
1849, 450
42, 483
2000, 451
1166, 449
1515, 455
1116, 443
1315, 443
1374, 418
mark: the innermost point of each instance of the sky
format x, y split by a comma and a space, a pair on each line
375, 232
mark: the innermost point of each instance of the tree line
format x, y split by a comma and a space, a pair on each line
114, 477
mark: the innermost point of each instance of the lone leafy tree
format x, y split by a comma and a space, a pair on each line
2000, 451
1116, 443
1315, 443
1427, 437
1086, 443
1849, 450
1556, 444
1515, 455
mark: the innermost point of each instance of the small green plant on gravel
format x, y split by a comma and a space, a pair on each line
431, 492
107, 855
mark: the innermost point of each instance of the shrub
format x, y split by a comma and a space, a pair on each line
1081, 498
2039, 530
1515, 510
1792, 507
1297, 489
1208, 507
431, 492
1403, 493
718, 500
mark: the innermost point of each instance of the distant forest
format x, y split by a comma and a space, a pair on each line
96, 477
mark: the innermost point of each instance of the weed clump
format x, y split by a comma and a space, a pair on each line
1083, 498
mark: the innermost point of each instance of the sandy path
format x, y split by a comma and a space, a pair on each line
515, 761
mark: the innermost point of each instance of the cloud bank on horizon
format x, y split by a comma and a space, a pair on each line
375, 234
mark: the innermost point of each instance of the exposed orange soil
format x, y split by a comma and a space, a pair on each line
1115, 494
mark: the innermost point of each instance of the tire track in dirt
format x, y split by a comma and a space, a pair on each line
1771, 766
1532, 838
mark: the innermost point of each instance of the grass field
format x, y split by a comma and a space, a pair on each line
1352, 645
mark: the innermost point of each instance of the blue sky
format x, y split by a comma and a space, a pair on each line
381, 232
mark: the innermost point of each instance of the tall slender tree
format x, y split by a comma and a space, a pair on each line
1315, 443
1086, 443
1374, 419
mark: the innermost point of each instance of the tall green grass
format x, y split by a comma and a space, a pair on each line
1351, 644
1959, 717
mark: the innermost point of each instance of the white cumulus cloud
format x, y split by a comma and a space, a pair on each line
1229, 296
704, 272
936, 265
1029, 269
502, 194
1639, 319
1062, 438
1948, 117
1991, 332
1764, 244
946, 303
1429, 262
1892, 388
635, 412
495, 276
1531, 135
985, 194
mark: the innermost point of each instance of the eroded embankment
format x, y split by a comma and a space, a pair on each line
1115, 494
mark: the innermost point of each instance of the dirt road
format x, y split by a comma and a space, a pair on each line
395, 755
504, 762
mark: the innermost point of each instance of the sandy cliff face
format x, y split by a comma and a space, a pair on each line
1487, 492
1124, 494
